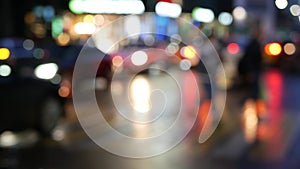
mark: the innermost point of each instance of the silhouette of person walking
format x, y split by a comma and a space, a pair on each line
250, 65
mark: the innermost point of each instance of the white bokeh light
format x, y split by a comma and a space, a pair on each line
225, 18
139, 58
185, 64
84, 28
46, 71
295, 10
281, 4
203, 15
5, 70
172, 10
239, 13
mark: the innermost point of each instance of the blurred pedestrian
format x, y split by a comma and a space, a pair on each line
250, 65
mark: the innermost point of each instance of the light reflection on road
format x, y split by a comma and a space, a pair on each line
140, 94
277, 127
275, 143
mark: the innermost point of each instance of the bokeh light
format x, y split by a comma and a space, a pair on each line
29, 18
167, 9
4, 53
89, 19
295, 10
56, 79
5, 70
107, 6
139, 58
38, 53
239, 13
185, 64
8, 139
289, 48
48, 12
149, 40
233, 48
225, 18
63, 39
46, 71
57, 26
140, 94
99, 20
28, 44
64, 91
188, 52
38, 11
39, 30
117, 61
203, 15
175, 38
84, 28
250, 120
172, 48
273, 49
281, 4
76, 6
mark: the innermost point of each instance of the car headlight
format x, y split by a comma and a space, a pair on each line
46, 71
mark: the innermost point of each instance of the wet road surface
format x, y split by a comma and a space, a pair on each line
243, 139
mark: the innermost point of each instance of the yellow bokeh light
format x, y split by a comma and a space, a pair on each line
250, 121
4, 53
273, 49
89, 19
188, 52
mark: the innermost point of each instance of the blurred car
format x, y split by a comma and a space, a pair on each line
137, 59
160, 56
29, 84
283, 54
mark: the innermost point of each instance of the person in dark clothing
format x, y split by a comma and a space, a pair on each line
250, 66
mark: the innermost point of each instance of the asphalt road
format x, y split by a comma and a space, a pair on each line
266, 140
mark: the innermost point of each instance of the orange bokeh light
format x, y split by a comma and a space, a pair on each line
117, 61
64, 91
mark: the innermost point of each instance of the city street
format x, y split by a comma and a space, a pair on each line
272, 142
150, 84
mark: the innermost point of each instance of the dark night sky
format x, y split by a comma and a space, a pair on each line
12, 14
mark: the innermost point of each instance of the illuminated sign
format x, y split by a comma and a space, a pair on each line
107, 6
